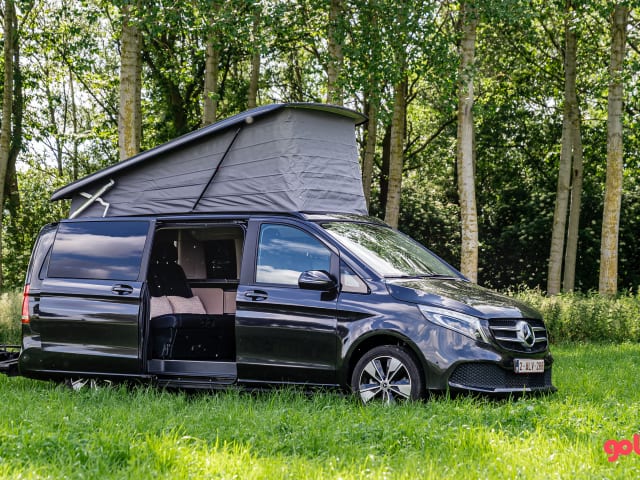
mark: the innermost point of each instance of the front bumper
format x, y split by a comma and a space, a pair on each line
492, 378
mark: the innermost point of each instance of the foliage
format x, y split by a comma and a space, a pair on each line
47, 431
426, 216
10, 311
70, 56
22, 224
577, 317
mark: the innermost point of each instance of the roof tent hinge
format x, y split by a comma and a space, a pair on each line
215, 172
94, 198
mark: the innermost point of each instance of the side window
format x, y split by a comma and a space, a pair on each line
221, 259
98, 250
210, 252
41, 250
350, 281
285, 252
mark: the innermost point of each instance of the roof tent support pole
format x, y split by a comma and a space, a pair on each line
215, 172
92, 199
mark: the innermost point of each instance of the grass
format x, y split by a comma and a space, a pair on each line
47, 431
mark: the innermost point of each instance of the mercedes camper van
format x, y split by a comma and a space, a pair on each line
241, 254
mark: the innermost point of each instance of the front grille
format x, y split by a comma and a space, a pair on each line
505, 332
492, 377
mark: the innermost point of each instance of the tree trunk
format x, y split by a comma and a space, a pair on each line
57, 138
252, 97
369, 150
336, 56
571, 253
465, 146
7, 109
11, 192
384, 168
211, 68
392, 209
608, 282
74, 123
130, 116
295, 80
558, 232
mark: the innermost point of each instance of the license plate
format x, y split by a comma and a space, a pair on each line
528, 365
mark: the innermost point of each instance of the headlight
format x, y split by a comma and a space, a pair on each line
465, 324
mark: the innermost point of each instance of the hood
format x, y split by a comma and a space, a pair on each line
460, 296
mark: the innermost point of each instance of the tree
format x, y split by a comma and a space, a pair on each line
335, 39
396, 153
71, 53
364, 54
465, 144
570, 138
7, 105
408, 56
211, 69
398, 118
130, 114
608, 283
254, 77
573, 228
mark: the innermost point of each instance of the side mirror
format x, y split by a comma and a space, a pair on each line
316, 280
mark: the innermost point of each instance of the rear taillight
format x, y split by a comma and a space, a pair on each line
25, 305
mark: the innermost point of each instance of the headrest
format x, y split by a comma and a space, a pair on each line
164, 248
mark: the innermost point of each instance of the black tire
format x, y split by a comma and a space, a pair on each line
387, 373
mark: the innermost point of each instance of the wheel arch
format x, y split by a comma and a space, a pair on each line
377, 339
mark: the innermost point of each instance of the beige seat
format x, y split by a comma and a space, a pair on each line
230, 302
212, 299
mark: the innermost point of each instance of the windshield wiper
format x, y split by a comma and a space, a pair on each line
438, 275
422, 275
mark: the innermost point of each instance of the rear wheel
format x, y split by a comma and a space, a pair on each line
389, 374
75, 383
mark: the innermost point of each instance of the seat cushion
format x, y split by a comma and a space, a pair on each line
186, 305
160, 306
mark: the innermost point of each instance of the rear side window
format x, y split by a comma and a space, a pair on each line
40, 251
98, 250
221, 258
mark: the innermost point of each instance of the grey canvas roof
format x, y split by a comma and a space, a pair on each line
276, 158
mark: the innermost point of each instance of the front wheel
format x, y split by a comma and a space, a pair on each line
387, 373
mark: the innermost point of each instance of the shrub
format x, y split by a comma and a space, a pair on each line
10, 311
578, 317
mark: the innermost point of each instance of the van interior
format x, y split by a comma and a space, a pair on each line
193, 278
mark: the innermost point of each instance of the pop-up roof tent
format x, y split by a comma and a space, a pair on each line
296, 157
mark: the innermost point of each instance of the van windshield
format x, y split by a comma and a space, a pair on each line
388, 252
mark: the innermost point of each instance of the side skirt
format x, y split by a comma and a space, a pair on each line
192, 373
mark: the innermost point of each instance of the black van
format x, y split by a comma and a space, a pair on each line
230, 278
209, 301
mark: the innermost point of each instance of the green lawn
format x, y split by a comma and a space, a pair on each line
50, 432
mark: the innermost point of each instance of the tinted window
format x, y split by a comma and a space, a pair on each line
221, 258
285, 252
98, 250
40, 252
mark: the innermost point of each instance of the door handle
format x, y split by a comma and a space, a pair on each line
256, 295
122, 289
